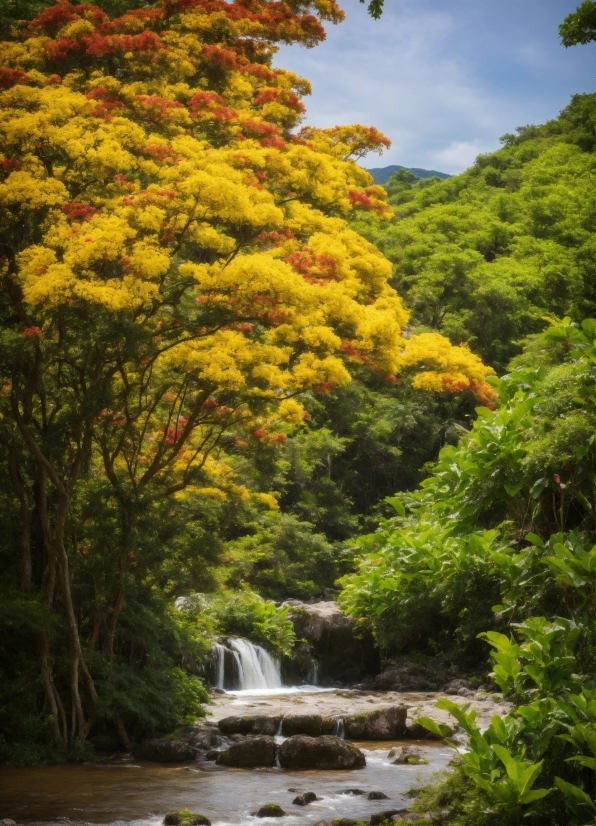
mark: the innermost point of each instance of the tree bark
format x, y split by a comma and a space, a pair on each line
25, 514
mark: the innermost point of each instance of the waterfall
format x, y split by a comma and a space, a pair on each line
313, 674
243, 666
219, 658
339, 729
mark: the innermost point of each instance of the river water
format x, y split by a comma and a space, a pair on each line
132, 793
139, 794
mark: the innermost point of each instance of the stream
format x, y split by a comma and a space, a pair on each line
124, 790
139, 794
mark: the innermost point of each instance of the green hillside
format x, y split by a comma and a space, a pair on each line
383, 173
483, 256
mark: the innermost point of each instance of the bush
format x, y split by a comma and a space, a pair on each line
245, 614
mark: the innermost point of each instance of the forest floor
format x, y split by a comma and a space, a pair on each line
340, 702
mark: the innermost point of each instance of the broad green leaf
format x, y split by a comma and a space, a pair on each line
575, 793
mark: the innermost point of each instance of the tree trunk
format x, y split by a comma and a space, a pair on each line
25, 513
122, 733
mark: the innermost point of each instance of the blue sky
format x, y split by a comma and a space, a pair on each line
444, 79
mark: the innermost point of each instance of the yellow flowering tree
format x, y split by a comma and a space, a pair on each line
176, 264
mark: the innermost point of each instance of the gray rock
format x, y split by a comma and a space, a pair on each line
310, 724
381, 724
270, 810
304, 799
166, 751
213, 754
206, 738
414, 731
253, 751
253, 724
455, 686
405, 675
7, 822
325, 752
406, 756
377, 796
331, 639
185, 819
338, 821
380, 817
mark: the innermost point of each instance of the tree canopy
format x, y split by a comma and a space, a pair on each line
177, 268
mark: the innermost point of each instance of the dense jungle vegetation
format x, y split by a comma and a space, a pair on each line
210, 388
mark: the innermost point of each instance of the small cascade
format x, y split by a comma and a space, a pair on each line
339, 729
243, 666
313, 674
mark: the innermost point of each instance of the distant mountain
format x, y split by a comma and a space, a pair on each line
382, 174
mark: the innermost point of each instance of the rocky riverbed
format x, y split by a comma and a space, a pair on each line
355, 781
340, 703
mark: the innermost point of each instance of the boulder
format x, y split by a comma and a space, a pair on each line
310, 724
341, 651
351, 791
405, 675
213, 754
463, 688
325, 752
406, 756
381, 817
254, 751
270, 810
206, 739
381, 724
377, 796
185, 818
166, 751
338, 821
304, 799
254, 724
414, 731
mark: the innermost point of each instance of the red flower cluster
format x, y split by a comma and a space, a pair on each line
77, 212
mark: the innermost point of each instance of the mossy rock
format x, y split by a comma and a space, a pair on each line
185, 818
271, 810
413, 760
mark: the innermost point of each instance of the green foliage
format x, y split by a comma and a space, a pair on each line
544, 661
580, 25
245, 614
484, 256
282, 558
510, 507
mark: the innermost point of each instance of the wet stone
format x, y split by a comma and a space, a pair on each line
338, 821
377, 796
414, 731
166, 751
185, 818
270, 810
309, 724
249, 753
380, 817
304, 799
325, 752
212, 755
407, 756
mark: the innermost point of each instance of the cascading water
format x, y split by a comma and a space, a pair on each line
243, 666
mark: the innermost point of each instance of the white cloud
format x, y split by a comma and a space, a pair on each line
442, 84
458, 155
